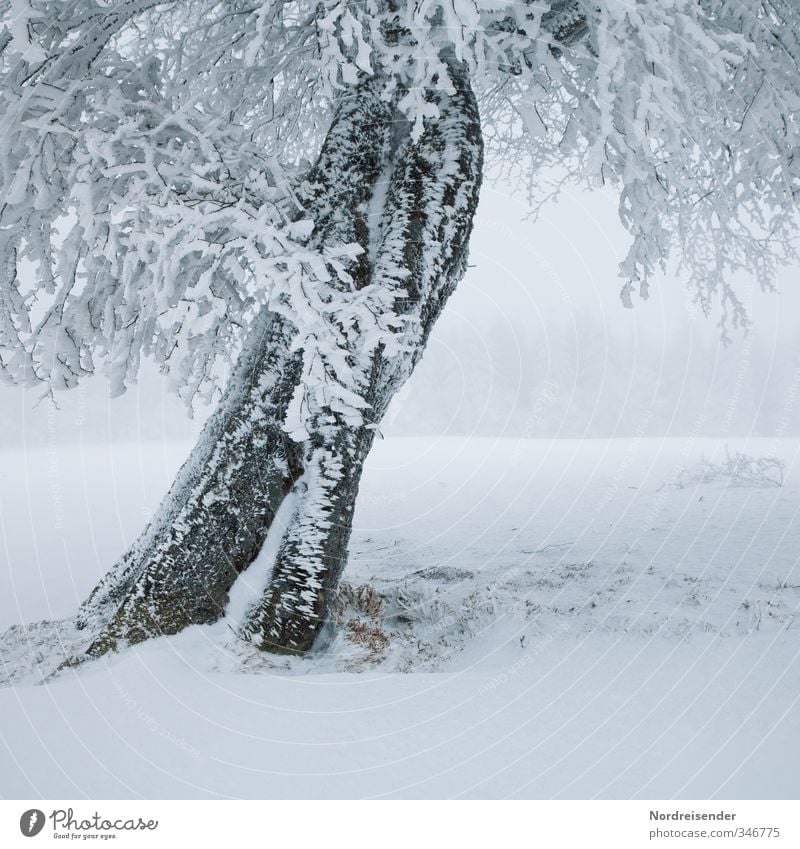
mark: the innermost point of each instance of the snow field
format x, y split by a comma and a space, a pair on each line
610, 618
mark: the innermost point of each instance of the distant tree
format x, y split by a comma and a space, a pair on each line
290, 187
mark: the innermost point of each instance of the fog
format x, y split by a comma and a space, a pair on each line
535, 342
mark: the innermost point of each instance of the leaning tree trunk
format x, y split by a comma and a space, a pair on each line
425, 227
215, 520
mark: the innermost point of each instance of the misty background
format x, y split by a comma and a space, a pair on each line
534, 343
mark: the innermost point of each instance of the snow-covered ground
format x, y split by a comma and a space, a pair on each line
613, 618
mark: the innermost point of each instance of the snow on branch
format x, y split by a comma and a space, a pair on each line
690, 110
152, 157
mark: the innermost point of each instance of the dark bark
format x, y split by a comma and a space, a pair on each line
218, 513
215, 519
430, 206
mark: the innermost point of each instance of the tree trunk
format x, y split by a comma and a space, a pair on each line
427, 221
215, 518
217, 515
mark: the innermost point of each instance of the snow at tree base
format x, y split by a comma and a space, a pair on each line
273, 202
532, 618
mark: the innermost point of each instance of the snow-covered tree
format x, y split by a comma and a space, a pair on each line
273, 200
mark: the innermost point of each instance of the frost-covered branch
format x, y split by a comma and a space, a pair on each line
153, 158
